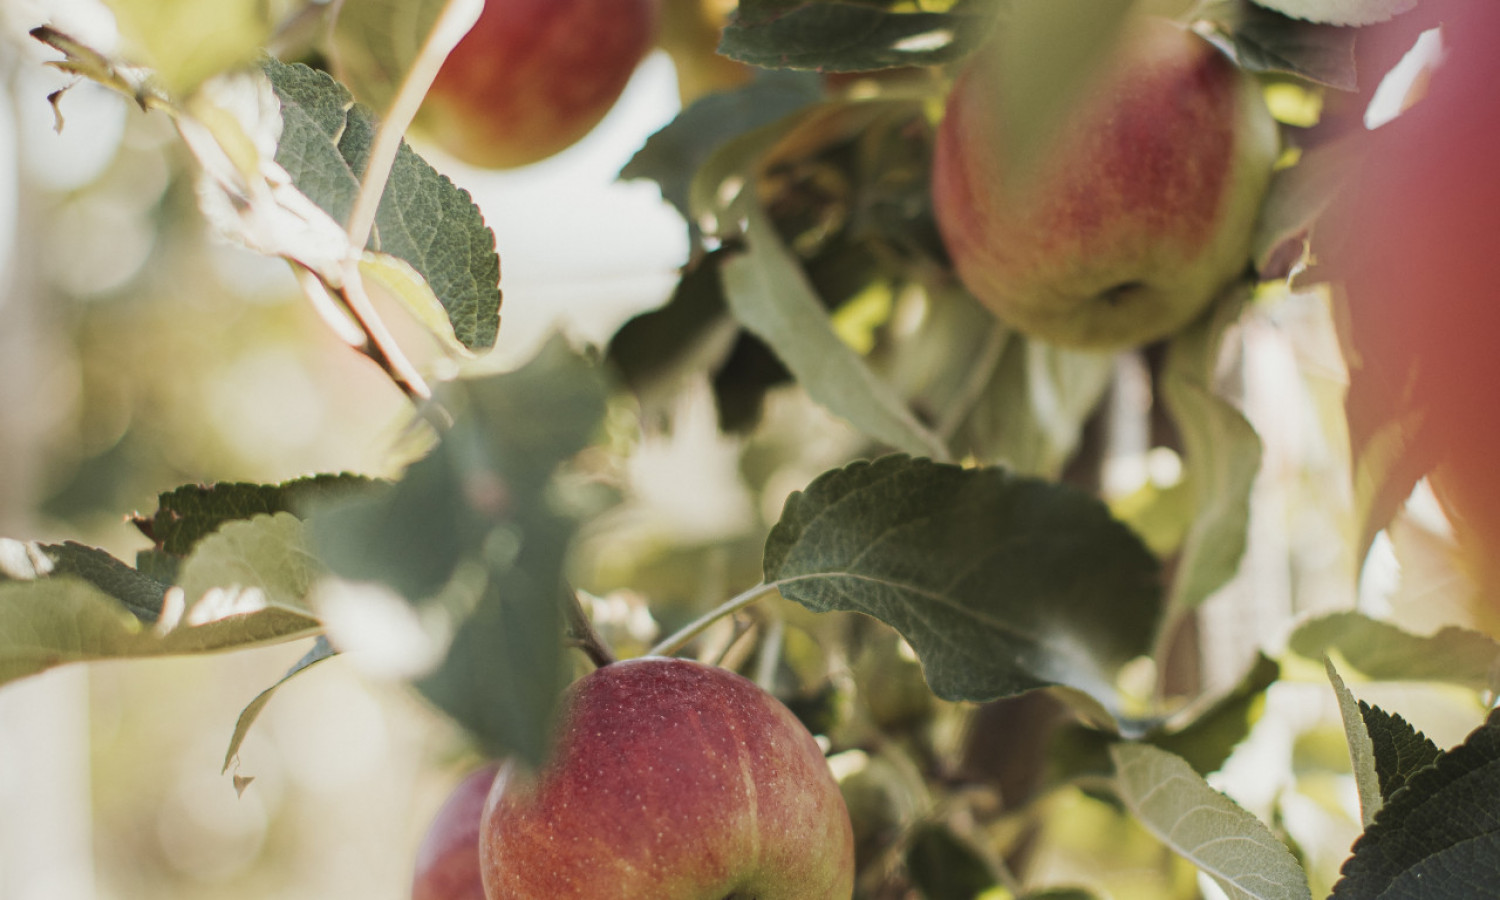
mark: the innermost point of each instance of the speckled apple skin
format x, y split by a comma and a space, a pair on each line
532, 77
447, 865
670, 780
1137, 214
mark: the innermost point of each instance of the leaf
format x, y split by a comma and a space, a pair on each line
1205, 827
320, 651
1208, 739
1296, 197
835, 36
770, 295
1266, 41
1361, 747
140, 593
424, 218
1439, 836
1222, 457
374, 43
1401, 751
263, 561
190, 513
944, 866
412, 292
1383, 652
674, 154
1340, 12
187, 41
1000, 583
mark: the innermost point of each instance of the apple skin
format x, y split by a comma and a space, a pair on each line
447, 865
670, 780
532, 77
1413, 242
1136, 215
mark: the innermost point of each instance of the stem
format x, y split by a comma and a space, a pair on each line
583, 635
332, 314
770, 653
382, 344
684, 636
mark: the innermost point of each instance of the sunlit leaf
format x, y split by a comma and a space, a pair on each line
1383, 652
320, 651
1000, 583
187, 41
1361, 747
1265, 41
1205, 827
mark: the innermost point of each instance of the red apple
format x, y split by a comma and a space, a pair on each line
533, 76
1414, 243
1138, 212
448, 859
670, 780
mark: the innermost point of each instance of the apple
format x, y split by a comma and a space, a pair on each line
1413, 243
1135, 216
670, 780
448, 859
533, 76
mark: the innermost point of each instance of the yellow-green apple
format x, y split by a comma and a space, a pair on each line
1414, 243
670, 780
1134, 216
448, 858
533, 76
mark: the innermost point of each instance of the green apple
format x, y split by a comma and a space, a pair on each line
447, 866
670, 780
533, 76
1137, 213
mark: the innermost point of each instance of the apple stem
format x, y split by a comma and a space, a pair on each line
583, 635
674, 643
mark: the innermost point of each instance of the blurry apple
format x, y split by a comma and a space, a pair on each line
1414, 242
1136, 214
670, 780
690, 31
533, 76
448, 859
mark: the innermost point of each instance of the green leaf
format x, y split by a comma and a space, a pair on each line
423, 219
140, 593
1205, 827
1340, 12
944, 866
188, 41
771, 296
320, 651
836, 36
1000, 583
1222, 457
1439, 836
674, 154
375, 42
1361, 747
190, 513
1383, 652
1266, 41
1401, 751
264, 559
1208, 739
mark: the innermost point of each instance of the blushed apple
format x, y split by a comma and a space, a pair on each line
532, 77
447, 865
1137, 214
670, 780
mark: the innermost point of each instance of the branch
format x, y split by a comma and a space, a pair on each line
684, 636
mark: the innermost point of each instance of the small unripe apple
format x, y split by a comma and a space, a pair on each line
670, 780
448, 858
1137, 213
534, 76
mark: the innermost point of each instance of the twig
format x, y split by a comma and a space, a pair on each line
583, 635
684, 636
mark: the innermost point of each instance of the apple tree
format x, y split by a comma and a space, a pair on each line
1102, 400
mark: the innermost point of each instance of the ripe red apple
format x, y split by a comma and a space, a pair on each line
448, 858
1414, 242
533, 76
670, 780
1134, 217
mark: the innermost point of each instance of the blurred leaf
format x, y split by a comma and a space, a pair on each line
1295, 199
1267, 41
1439, 836
944, 866
1340, 12
263, 559
1000, 583
1222, 457
1208, 739
1387, 465
674, 154
320, 651
770, 294
1382, 652
374, 43
1361, 747
190, 513
188, 41
836, 36
424, 219
1205, 827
